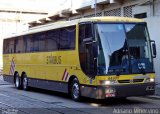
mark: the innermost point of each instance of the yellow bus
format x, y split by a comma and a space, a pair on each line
99, 57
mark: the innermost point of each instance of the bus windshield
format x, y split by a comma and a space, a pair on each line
123, 49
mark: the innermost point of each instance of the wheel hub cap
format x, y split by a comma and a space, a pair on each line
75, 90
25, 83
17, 81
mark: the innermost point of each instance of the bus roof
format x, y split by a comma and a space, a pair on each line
61, 24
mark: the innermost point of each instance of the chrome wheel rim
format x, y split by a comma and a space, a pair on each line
24, 82
17, 81
75, 90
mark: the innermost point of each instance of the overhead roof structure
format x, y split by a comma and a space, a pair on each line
61, 15
66, 13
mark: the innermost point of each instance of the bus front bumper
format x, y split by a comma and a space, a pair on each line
118, 91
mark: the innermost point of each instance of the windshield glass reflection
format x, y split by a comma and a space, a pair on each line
120, 55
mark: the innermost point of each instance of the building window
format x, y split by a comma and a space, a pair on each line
141, 15
128, 11
114, 12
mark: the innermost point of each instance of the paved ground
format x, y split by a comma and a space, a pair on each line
157, 93
35, 101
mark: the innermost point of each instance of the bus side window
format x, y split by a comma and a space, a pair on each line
19, 45
28, 43
52, 40
67, 38
6, 47
64, 41
71, 35
35, 40
11, 45
42, 41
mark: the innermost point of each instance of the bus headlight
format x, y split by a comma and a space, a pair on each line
150, 80
108, 82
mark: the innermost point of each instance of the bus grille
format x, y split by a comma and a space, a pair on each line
138, 80
124, 81
131, 81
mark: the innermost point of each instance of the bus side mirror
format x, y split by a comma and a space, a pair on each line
153, 46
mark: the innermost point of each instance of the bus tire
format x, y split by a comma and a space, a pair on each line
17, 81
25, 82
75, 90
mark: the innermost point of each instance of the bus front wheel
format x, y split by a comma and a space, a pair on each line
75, 90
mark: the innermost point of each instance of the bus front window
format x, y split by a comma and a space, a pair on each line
123, 49
139, 46
112, 49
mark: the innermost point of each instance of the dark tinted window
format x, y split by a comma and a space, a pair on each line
8, 46
72, 36
85, 32
35, 43
28, 43
35, 40
141, 15
19, 45
67, 38
52, 40
86, 49
42, 41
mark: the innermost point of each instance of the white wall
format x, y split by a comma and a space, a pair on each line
157, 8
154, 27
7, 28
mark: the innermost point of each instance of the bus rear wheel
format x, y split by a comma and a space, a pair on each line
17, 81
75, 90
25, 82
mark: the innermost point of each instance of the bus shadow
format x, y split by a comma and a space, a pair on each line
49, 92
115, 101
99, 102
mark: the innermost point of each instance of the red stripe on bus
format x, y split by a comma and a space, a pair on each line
10, 72
64, 74
12, 67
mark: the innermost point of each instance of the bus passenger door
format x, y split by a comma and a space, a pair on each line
87, 50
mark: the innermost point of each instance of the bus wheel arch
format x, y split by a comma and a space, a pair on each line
74, 88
